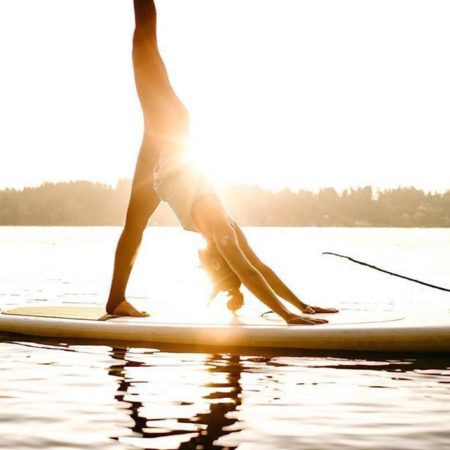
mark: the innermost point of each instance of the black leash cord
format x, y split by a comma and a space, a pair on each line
387, 271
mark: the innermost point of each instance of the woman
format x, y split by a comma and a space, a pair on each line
228, 258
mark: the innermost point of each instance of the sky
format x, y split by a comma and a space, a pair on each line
288, 93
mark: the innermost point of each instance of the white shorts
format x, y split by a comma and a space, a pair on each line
178, 181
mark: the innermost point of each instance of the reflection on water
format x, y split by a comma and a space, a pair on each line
194, 423
68, 394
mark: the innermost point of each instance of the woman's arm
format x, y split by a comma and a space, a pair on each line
274, 280
212, 221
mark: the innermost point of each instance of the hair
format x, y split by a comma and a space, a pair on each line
221, 276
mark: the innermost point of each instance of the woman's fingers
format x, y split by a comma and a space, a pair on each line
305, 320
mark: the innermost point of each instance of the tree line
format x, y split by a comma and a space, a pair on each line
86, 203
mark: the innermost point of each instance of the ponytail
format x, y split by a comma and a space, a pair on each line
221, 276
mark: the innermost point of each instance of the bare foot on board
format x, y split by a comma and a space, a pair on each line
318, 310
127, 309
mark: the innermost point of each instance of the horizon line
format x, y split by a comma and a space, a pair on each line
227, 185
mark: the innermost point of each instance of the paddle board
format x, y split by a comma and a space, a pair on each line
347, 330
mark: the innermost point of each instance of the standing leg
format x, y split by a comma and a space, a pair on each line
142, 204
166, 124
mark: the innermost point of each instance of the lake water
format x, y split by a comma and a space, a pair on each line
70, 395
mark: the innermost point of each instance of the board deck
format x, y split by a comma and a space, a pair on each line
347, 330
